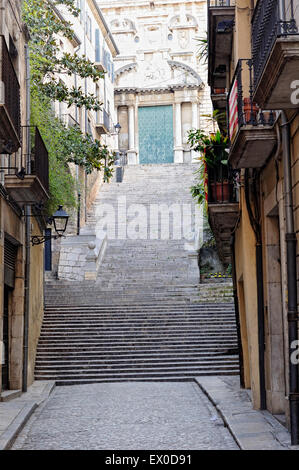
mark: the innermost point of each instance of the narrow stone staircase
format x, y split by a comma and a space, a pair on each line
143, 318
151, 342
148, 269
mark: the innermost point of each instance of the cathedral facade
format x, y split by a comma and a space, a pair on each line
160, 84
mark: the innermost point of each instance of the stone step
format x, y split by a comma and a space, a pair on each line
127, 350
162, 327
130, 373
146, 307
137, 321
130, 355
116, 363
138, 379
71, 325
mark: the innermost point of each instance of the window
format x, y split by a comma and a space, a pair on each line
81, 10
88, 27
112, 78
89, 130
97, 46
98, 113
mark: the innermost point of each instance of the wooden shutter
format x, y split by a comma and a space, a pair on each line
10, 256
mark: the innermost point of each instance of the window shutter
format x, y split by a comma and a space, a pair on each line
10, 256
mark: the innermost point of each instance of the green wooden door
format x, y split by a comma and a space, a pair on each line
155, 125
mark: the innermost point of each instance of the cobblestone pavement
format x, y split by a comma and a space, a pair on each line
135, 415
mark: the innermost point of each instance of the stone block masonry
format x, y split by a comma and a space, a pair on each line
80, 256
152, 225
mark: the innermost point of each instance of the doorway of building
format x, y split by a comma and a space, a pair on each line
10, 255
5, 346
155, 124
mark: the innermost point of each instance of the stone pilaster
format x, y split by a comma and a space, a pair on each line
194, 155
178, 149
132, 157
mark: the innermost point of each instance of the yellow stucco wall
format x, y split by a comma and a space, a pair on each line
246, 273
36, 309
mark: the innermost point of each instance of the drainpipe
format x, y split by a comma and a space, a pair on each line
86, 119
291, 280
77, 167
260, 295
27, 231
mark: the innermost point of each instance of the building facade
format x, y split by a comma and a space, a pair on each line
23, 185
93, 40
253, 57
160, 85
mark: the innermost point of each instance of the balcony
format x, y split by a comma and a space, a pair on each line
69, 120
219, 98
223, 208
10, 111
275, 53
101, 67
103, 122
27, 176
251, 130
221, 14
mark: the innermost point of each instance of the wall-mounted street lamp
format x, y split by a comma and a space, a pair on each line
117, 128
60, 220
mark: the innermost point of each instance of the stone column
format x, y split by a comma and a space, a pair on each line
132, 151
178, 149
194, 155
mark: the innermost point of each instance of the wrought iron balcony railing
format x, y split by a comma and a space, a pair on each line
11, 88
103, 119
221, 3
36, 163
272, 19
222, 188
242, 110
40, 159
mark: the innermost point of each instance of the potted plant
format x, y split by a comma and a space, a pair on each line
219, 91
250, 110
213, 155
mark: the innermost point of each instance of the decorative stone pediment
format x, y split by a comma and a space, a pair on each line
180, 65
125, 68
182, 21
157, 72
123, 25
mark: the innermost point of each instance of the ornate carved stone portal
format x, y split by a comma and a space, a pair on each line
158, 67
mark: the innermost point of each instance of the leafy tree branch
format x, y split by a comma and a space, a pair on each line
46, 26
